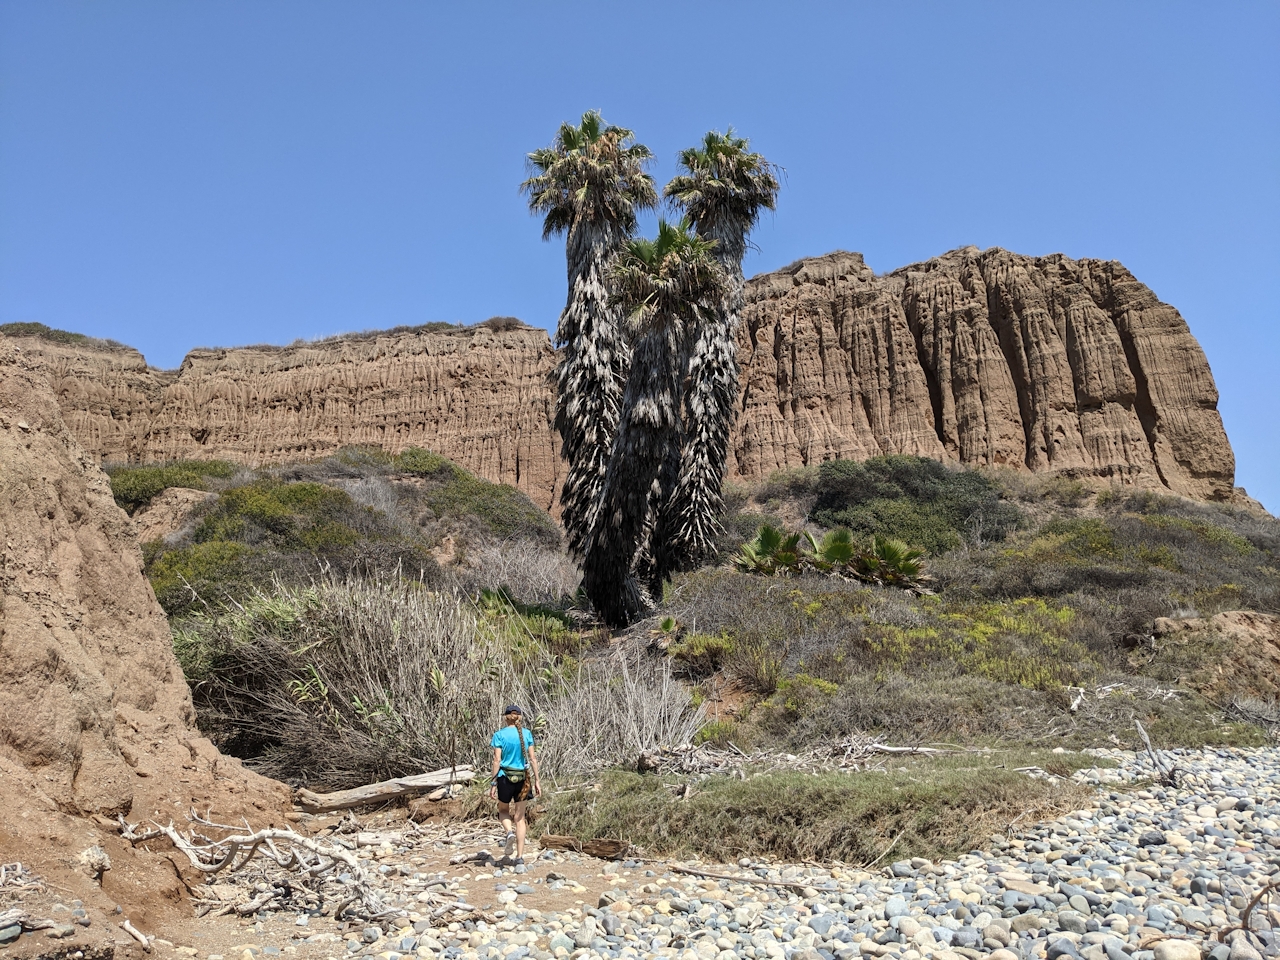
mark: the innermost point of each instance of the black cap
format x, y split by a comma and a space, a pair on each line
512, 708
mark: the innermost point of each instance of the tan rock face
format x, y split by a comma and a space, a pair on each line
482, 398
985, 357
93, 705
982, 357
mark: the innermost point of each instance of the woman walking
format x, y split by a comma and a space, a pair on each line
513, 762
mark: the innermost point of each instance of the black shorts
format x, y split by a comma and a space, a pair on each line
508, 789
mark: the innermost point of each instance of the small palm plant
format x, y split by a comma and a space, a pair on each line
832, 552
890, 562
770, 552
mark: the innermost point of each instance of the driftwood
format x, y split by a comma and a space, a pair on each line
1243, 925
310, 860
137, 934
1166, 772
480, 856
604, 849
372, 793
15, 878
758, 881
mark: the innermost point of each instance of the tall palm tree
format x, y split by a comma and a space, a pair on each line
589, 185
722, 190
664, 286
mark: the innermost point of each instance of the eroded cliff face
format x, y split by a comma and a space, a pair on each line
95, 714
480, 397
982, 357
985, 357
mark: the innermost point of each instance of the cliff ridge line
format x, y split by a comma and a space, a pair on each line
982, 357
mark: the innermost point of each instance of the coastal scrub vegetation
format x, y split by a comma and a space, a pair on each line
933, 807
134, 486
53, 335
349, 681
359, 511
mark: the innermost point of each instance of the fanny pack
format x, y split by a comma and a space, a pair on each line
512, 774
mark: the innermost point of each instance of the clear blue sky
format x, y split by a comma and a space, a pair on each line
175, 174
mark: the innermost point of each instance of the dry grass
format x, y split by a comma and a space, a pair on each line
528, 570
347, 682
610, 710
936, 807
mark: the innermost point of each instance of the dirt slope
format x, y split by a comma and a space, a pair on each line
95, 717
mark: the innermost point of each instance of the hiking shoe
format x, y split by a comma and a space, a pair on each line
510, 847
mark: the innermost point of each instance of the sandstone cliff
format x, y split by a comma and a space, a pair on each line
982, 357
985, 357
92, 702
479, 396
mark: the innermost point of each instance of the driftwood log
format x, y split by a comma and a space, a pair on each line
382, 792
604, 849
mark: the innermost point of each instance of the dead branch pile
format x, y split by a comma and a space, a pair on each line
274, 866
248, 872
16, 879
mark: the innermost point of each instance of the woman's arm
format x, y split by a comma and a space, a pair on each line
493, 776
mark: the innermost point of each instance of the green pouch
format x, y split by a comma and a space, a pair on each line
515, 776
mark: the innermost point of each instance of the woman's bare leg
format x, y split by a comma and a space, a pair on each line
504, 815
522, 826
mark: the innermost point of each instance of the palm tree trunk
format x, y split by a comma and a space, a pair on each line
589, 377
650, 422
684, 532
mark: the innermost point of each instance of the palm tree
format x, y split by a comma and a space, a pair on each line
589, 185
664, 286
722, 191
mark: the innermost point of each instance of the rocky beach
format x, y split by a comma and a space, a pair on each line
1143, 872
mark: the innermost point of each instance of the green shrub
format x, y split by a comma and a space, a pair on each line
289, 516
451, 492
289, 530
213, 572
422, 462
502, 509
914, 499
794, 697
718, 733
134, 487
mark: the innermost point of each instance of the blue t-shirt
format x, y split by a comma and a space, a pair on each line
508, 741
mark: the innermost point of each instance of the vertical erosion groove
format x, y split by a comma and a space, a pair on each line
1142, 401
